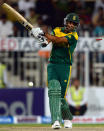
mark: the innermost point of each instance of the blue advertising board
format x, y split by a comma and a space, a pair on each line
17, 102
6, 120
45, 120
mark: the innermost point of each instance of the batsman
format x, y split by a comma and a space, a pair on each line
64, 41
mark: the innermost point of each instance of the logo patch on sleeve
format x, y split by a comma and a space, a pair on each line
69, 36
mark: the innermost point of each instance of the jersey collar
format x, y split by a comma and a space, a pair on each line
63, 29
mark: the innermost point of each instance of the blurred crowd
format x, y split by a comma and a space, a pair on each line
49, 14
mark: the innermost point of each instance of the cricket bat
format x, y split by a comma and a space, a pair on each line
18, 17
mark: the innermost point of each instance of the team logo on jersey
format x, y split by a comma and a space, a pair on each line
65, 80
74, 17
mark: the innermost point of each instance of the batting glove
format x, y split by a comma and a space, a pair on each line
36, 32
39, 35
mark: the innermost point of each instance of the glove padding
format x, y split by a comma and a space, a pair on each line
40, 44
37, 33
43, 45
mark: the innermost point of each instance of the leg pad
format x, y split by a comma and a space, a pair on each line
54, 93
66, 114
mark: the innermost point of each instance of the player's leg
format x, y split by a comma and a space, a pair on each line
66, 114
54, 93
65, 72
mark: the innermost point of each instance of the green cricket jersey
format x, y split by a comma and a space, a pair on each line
62, 52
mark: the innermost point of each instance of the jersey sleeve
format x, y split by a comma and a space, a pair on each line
71, 39
55, 31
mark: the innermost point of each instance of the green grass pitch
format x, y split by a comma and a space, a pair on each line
48, 125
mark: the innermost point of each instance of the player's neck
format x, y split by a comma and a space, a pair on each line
67, 31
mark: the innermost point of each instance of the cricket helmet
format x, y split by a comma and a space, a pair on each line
72, 17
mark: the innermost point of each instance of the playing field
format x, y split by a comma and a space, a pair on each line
48, 128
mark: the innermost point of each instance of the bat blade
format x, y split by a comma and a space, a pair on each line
18, 17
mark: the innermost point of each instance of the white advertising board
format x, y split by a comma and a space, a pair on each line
30, 44
95, 102
20, 44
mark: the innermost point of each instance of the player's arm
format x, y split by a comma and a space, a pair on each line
48, 38
70, 39
55, 39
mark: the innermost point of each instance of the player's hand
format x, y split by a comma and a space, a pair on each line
37, 33
44, 44
42, 40
40, 44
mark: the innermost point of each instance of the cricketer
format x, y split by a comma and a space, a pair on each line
64, 41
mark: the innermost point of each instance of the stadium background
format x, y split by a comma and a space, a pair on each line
24, 98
